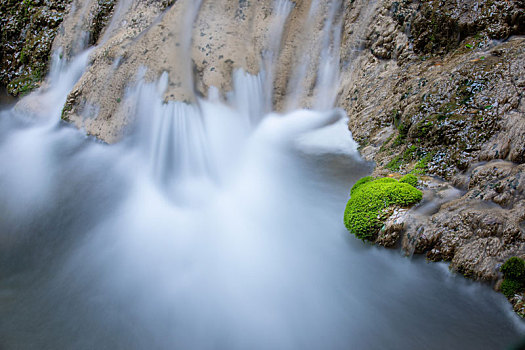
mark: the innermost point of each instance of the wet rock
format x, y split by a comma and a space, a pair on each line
475, 236
27, 31
518, 304
393, 228
151, 38
439, 26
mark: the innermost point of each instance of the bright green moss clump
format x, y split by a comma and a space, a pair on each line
409, 179
514, 274
369, 199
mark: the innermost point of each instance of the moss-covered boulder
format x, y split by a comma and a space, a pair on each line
371, 200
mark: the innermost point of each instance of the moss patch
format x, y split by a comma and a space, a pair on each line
422, 165
514, 276
409, 179
510, 287
27, 31
370, 200
23, 85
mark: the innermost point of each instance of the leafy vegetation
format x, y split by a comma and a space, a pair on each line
370, 198
408, 155
395, 164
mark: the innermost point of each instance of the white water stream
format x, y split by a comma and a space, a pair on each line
212, 226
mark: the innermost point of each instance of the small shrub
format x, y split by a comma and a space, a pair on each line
409, 179
510, 287
369, 198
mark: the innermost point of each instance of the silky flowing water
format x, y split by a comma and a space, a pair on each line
212, 225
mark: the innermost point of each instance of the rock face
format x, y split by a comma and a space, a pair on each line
27, 30
431, 87
438, 90
198, 45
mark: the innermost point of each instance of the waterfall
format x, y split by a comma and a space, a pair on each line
214, 224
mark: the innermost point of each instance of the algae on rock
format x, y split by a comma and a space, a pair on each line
27, 31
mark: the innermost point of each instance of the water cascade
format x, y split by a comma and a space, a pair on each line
214, 224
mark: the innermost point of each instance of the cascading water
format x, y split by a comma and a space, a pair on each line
213, 225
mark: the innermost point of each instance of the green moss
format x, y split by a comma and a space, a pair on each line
370, 198
514, 268
23, 85
514, 273
359, 183
422, 165
410, 152
64, 116
395, 164
408, 155
409, 179
510, 287
424, 128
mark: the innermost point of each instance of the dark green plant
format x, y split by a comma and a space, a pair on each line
514, 276
514, 269
510, 287
364, 213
